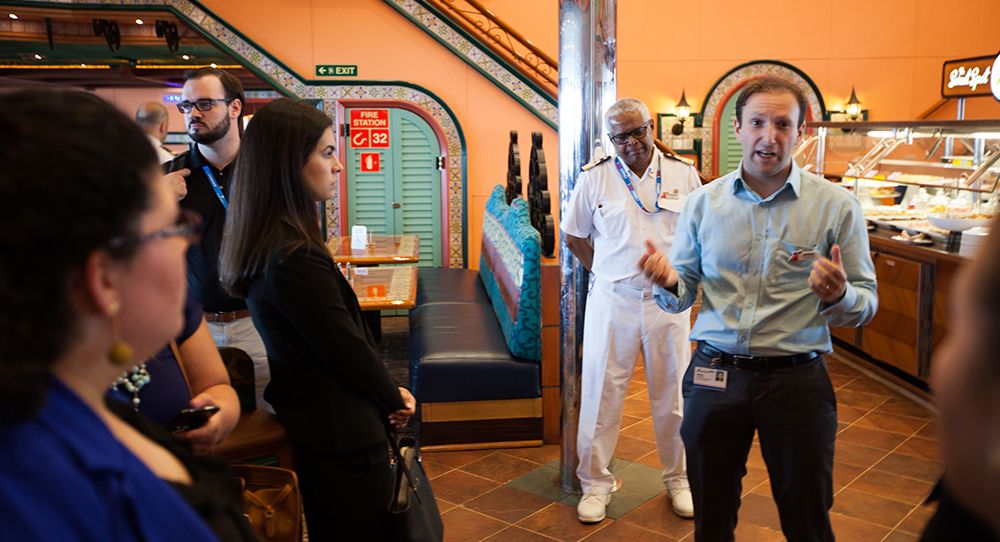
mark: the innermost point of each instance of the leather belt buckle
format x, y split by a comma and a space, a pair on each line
742, 362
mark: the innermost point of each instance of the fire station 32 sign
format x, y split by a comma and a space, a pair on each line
369, 128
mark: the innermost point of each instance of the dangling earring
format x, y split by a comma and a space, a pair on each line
121, 352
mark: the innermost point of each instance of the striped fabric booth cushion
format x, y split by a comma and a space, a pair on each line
510, 268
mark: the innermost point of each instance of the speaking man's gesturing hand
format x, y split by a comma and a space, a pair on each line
656, 266
827, 279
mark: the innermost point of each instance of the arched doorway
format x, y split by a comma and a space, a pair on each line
406, 189
719, 111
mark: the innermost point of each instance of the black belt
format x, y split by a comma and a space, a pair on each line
231, 316
758, 363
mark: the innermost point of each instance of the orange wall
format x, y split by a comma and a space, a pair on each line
890, 50
388, 47
892, 56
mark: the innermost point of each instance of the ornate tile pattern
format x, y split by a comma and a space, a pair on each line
329, 92
736, 79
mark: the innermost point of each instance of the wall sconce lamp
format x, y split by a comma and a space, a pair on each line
683, 111
853, 109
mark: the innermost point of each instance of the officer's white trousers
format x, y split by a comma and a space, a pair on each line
620, 320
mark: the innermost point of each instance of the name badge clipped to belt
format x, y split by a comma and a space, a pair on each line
707, 377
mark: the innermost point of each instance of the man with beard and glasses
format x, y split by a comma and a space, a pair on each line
780, 254
212, 104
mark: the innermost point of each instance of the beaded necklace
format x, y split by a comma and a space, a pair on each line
133, 381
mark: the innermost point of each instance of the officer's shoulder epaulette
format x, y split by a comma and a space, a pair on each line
679, 158
594, 163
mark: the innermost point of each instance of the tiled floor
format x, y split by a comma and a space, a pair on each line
886, 462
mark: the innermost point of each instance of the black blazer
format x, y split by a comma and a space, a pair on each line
328, 386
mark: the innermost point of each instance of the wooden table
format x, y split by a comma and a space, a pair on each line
386, 249
385, 287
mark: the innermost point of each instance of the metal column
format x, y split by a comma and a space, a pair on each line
587, 52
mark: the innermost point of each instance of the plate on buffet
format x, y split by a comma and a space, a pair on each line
958, 224
914, 240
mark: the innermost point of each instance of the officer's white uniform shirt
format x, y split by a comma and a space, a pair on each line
601, 206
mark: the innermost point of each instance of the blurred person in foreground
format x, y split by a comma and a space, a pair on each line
965, 375
329, 388
91, 282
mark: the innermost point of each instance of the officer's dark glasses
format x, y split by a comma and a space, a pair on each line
638, 133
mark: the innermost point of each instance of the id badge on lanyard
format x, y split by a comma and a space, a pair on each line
216, 187
628, 184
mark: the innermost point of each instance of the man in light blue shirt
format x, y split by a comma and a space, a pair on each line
780, 255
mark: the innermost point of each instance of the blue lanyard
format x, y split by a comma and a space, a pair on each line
217, 188
628, 183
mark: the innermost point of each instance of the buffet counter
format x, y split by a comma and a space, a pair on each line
914, 286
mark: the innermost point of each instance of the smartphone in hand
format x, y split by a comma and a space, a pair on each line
191, 418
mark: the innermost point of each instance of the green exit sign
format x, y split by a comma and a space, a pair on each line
337, 70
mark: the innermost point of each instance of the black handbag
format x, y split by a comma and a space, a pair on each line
413, 511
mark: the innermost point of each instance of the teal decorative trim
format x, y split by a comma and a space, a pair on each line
510, 269
736, 78
491, 66
288, 83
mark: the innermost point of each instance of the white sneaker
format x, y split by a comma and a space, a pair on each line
680, 497
592, 507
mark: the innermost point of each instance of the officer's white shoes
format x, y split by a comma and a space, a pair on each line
680, 497
592, 507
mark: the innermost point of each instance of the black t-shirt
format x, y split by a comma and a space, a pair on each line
203, 257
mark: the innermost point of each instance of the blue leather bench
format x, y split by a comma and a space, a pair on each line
475, 338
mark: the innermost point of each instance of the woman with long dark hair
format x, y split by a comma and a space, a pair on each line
328, 386
92, 282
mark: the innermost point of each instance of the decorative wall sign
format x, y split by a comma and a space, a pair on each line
539, 200
967, 77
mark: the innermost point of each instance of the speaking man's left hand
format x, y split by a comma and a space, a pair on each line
827, 279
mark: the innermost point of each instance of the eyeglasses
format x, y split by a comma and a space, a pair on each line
188, 226
638, 133
205, 104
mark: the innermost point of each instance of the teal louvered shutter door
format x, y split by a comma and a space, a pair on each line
730, 150
418, 184
408, 177
370, 194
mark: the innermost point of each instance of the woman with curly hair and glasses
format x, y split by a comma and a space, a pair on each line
92, 282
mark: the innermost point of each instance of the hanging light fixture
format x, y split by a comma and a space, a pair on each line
853, 109
683, 112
